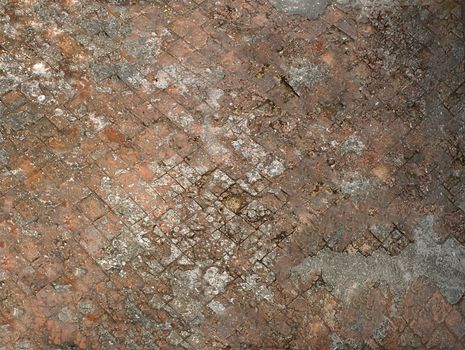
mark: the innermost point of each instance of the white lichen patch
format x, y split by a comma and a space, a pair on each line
40, 69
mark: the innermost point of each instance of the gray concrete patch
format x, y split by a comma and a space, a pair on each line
311, 9
443, 264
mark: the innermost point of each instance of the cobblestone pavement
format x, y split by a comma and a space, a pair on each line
232, 174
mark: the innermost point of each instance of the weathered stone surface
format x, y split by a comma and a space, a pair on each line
442, 263
308, 8
216, 175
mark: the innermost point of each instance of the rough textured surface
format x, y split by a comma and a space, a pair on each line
307, 8
195, 174
442, 263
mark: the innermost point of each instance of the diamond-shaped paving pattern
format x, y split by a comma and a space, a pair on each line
180, 174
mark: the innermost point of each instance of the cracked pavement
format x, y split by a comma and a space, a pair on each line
247, 174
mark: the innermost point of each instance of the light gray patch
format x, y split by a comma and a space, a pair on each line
4, 156
276, 168
352, 145
216, 307
130, 75
7, 84
262, 291
443, 264
310, 9
106, 338
130, 211
303, 73
186, 285
339, 344
216, 279
103, 70
356, 186
214, 96
162, 80
122, 249
17, 121
381, 231
381, 331
144, 47
214, 73
23, 345
460, 197
66, 315
85, 306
